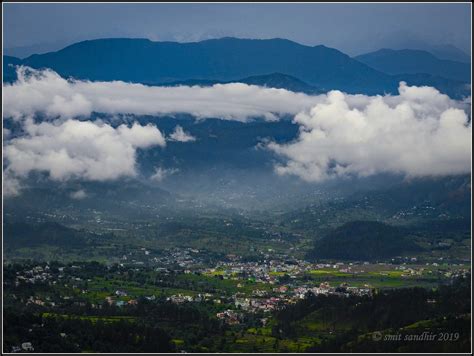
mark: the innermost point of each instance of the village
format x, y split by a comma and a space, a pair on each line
256, 286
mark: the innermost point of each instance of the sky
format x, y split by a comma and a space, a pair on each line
351, 28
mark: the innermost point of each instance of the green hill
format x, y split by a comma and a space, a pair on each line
362, 240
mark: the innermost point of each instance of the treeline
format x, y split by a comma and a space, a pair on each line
79, 335
444, 310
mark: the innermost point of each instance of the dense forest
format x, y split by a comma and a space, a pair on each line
363, 240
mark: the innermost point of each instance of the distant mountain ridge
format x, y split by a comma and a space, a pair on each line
226, 59
275, 63
409, 61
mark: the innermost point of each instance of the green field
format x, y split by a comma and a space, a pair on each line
92, 318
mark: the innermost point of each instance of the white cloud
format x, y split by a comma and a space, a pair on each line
78, 150
79, 194
162, 173
46, 92
419, 132
11, 185
181, 136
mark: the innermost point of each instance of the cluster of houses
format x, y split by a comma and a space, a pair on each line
176, 258
180, 298
181, 258
255, 304
230, 317
34, 275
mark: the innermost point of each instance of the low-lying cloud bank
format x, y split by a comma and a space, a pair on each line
76, 150
47, 93
417, 133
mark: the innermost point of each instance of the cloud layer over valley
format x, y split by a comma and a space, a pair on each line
419, 132
47, 93
76, 149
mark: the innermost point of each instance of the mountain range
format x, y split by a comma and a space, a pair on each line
275, 63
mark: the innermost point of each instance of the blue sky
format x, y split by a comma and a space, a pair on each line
352, 28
